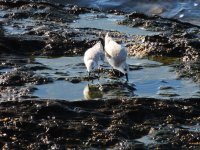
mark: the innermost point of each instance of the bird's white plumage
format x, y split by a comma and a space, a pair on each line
115, 54
94, 57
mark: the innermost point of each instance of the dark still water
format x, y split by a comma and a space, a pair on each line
185, 10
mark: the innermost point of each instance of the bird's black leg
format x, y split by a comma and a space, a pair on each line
99, 71
119, 73
113, 71
126, 74
92, 80
88, 76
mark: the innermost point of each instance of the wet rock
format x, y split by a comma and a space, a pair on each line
179, 40
76, 9
115, 73
189, 70
84, 124
134, 15
111, 123
22, 44
116, 12
34, 67
157, 45
13, 93
80, 79
117, 85
166, 88
74, 79
19, 78
168, 94
35, 39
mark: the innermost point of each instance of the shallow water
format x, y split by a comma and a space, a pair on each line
192, 128
20, 26
147, 140
4, 70
153, 80
107, 22
180, 9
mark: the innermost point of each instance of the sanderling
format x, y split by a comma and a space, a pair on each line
94, 56
116, 55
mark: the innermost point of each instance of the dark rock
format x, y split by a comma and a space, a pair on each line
19, 78
116, 12
111, 123
156, 38
134, 15
36, 40
74, 79
21, 45
195, 44
179, 40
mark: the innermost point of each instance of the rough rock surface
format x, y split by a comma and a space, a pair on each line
113, 123
99, 124
175, 39
46, 32
19, 78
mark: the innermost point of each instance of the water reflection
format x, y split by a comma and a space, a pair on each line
92, 92
153, 79
111, 89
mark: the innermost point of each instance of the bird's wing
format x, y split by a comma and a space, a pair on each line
94, 53
118, 53
121, 57
89, 54
113, 49
102, 56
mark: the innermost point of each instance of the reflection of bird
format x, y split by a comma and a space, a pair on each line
94, 56
92, 92
116, 55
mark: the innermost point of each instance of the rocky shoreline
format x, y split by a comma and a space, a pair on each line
113, 123
48, 33
28, 122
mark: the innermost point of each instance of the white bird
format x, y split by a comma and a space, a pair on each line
116, 55
94, 56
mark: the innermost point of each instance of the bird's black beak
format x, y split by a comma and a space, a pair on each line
126, 74
102, 42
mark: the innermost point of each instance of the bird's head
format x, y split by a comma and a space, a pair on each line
91, 65
107, 38
107, 34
